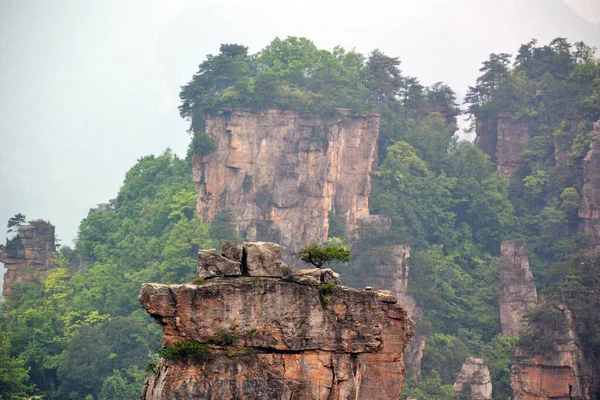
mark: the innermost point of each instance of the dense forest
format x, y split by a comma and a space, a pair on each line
81, 332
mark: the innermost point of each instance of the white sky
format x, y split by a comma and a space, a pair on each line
87, 87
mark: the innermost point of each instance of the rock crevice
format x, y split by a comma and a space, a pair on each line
281, 174
518, 294
289, 336
504, 141
474, 381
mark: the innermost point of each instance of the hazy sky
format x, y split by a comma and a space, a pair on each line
87, 87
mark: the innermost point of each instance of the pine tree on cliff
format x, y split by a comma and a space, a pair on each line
15, 222
320, 255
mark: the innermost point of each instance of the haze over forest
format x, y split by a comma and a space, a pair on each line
158, 137
89, 87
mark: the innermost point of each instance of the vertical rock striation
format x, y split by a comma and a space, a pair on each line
561, 372
28, 254
474, 381
503, 140
280, 174
271, 337
517, 289
590, 204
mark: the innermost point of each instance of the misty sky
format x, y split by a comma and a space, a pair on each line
87, 87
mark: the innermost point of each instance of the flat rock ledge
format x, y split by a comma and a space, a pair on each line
273, 333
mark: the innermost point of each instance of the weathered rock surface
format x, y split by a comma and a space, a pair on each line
211, 264
503, 140
323, 276
290, 340
260, 259
281, 174
414, 351
517, 289
474, 381
590, 203
29, 254
560, 374
264, 259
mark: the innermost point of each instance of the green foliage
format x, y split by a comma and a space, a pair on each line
319, 255
222, 228
576, 284
337, 227
429, 388
225, 337
13, 372
547, 328
79, 332
122, 386
185, 350
15, 222
203, 144
148, 233
498, 355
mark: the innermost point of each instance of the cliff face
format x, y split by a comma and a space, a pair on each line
288, 337
517, 289
28, 254
590, 204
503, 140
562, 373
280, 172
474, 380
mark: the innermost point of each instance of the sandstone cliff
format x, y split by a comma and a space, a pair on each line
517, 289
474, 381
297, 336
503, 140
281, 172
386, 266
28, 254
590, 204
560, 372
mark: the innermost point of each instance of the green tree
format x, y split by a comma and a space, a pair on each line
15, 222
14, 375
319, 255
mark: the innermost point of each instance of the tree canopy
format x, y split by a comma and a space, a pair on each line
80, 332
318, 255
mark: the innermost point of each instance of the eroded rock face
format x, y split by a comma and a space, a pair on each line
288, 338
517, 289
281, 174
414, 352
260, 259
211, 265
474, 381
560, 374
389, 269
28, 254
504, 140
590, 203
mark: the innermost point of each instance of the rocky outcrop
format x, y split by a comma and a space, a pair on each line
280, 174
414, 352
28, 254
474, 381
290, 337
590, 204
503, 140
559, 372
518, 294
386, 266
